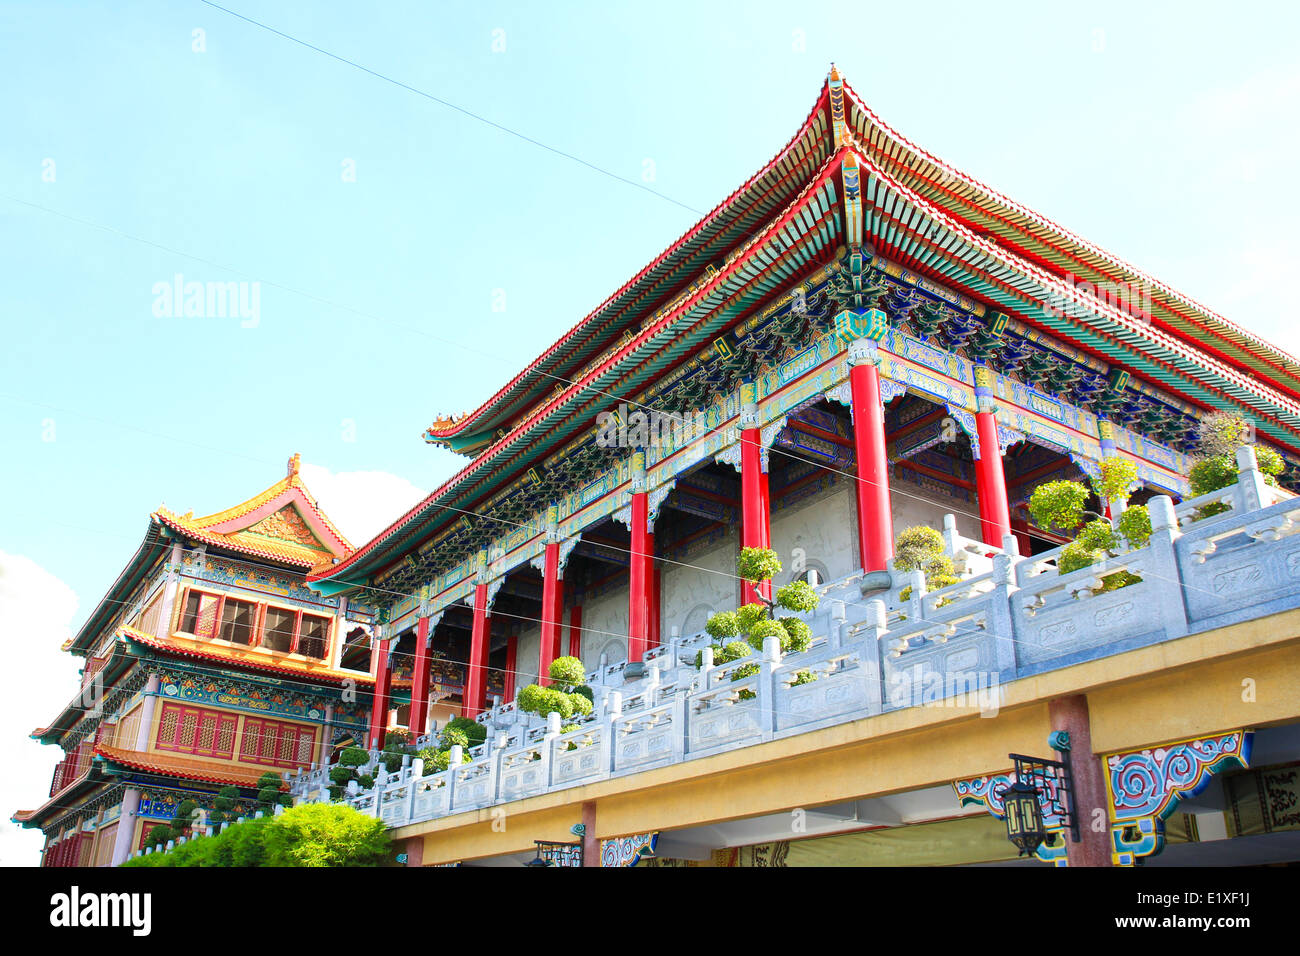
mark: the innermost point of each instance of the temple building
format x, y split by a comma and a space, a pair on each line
858, 340
208, 663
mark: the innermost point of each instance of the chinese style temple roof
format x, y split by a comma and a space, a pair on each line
120, 761
839, 117
254, 658
283, 524
844, 180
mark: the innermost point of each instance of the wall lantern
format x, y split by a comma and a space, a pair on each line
550, 853
1040, 783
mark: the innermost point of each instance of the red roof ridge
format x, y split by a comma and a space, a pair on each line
457, 424
557, 399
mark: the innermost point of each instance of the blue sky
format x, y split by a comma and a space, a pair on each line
1157, 134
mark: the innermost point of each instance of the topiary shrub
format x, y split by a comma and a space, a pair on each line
1135, 525
353, 757
1059, 505
749, 615
798, 635
765, 629
758, 564
473, 730
529, 699
917, 546
223, 805
798, 596
1115, 479
723, 624
159, 835
568, 672
803, 677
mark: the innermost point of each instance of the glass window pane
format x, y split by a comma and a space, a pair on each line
277, 633
313, 636
237, 622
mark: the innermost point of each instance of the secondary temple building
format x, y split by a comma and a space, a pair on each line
208, 663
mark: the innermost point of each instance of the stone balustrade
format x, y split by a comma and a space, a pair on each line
880, 652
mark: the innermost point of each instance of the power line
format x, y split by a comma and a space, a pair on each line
453, 106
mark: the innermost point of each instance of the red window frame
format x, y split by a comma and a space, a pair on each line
259, 622
181, 728
275, 743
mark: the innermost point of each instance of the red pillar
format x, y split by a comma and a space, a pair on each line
575, 631
875, 518
551, 613
991, 481
641, 566
1093, 849
380, 703
655, 572
754, 531
475, 695
418, 721
512, 652
765, 504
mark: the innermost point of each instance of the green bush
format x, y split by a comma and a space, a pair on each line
1135, 525
1059, 504
547, 700
1097, 535
568, 671
1212, 474
472, 729
582, 705
1116, 478
799, 635
758, 564
452, 737
309, 835
723, 624
917, 546
341, 775
159, 835
530, 698
798, 596
582, 690
765, 629
353, 757
1075, 556
749, 615
803, 677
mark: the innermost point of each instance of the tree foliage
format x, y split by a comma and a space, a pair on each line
315, 834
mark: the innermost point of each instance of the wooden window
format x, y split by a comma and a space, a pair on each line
104, 848
313, 636
192, 730
251, 745
149, 619
278, 744
238, 620
200, 617
277, 633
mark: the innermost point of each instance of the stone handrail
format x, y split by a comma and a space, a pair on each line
959, 644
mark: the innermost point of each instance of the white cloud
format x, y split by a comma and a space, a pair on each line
361, 503
36, 614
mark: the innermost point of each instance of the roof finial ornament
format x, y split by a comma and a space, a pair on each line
293, 464
835, 74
